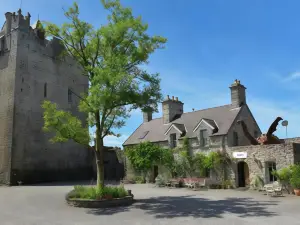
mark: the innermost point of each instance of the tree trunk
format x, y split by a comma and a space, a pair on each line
99, 153
100, 170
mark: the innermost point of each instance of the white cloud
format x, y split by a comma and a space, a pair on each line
115, 141
110, 141
265, 111
293, 76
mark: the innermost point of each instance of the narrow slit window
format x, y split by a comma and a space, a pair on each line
69, 95
45, 90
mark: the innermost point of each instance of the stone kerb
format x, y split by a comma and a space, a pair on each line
105, 203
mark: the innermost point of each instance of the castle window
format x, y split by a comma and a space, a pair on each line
173, 142
203, 138
45, 90
69, 95
2, 44
235, 139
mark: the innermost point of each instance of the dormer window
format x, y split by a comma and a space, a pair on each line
173, 142
203, 137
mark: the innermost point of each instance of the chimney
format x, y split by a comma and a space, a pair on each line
171, 109
8, 17
238, 94
147, 116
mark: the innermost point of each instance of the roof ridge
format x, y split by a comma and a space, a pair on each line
208, 108
196, 111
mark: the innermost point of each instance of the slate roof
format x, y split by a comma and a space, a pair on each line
222, 117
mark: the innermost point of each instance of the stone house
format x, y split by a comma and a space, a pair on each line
207, 129
31, 72
216, 129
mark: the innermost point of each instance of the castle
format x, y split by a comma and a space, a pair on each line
31, 72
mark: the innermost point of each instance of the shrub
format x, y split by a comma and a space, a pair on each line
215, 186
295, 176
283, 175
257, 182
82, 192
139, 180
226, 184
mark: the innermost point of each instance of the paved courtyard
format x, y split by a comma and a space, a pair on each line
45, 205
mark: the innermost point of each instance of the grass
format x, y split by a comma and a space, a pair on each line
92, 193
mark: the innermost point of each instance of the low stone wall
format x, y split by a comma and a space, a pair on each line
82, 203
257, 156
291, 140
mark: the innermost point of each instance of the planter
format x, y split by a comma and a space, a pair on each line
297, 192
103, 203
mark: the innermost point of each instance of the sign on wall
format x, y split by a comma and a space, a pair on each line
239, 155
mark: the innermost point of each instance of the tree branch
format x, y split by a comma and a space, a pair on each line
109, 127
81, 98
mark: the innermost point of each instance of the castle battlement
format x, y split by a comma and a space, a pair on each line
31, 35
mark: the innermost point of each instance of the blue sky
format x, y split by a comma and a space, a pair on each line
211, 43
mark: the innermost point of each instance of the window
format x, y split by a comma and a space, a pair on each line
144, 134
203, 138
2, 44
270, 167
235, 139
173, 142
256, 134
45, 90
69, 95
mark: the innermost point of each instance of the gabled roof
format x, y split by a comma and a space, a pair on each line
177, 126
222, 117
211, 123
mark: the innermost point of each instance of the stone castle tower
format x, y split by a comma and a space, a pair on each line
31, 72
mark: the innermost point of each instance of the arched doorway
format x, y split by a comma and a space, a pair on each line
243, 174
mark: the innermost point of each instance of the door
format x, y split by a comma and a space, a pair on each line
241, 174
155, 172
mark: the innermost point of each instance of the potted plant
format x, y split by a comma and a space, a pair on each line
295, 179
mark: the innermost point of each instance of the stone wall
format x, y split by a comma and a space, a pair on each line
291, 140
34, 74
113, 167
7, 98
40, 77
257, 156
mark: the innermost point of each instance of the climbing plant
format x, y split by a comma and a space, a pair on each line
145, 155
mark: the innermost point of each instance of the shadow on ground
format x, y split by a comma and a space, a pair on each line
185, 206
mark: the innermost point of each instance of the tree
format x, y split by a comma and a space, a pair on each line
145, 155
111, 56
